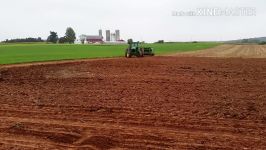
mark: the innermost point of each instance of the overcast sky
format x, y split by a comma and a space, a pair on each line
148, 20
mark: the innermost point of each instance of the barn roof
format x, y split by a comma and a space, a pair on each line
94, 37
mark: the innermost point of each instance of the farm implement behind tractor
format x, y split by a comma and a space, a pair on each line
134, 49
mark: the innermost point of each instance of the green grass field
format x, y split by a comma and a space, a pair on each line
24, 53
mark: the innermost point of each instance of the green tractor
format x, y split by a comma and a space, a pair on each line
135, 49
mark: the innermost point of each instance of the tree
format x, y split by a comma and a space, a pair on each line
53, 37
62, 40
39, 39
129, 41
161, 41
245, 41
70, 35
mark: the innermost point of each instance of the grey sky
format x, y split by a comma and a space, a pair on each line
148, 20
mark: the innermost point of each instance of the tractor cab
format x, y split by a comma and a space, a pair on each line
134, 45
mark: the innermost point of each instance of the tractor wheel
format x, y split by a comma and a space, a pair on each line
128, 55
142, 53
126, 52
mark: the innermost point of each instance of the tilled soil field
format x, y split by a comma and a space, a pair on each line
230, 51
146, 103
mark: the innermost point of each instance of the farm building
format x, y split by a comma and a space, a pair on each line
94, 39
113, 38
91, 39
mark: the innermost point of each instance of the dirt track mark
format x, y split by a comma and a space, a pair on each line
61, 62
100, 142
68, 138
229, 51
148, 135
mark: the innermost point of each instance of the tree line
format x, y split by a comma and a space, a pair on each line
70, 37
24, 40
257, 41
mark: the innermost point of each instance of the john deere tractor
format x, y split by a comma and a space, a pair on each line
134, 49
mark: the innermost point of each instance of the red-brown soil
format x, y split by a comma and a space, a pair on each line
146, 103
229, 51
